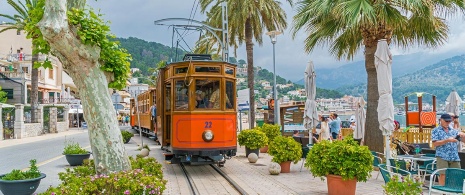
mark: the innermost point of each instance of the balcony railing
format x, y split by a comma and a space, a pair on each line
57, 100
18, 57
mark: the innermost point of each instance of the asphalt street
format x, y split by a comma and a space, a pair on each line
48, 154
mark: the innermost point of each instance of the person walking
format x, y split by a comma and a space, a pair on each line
446, 140
153, 112
335, 125
325, 134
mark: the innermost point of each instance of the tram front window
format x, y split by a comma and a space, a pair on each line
181, 96
207, 94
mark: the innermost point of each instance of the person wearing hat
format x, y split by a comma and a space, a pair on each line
446, 140
352, 124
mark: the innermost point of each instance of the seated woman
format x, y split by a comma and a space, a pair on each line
200, 99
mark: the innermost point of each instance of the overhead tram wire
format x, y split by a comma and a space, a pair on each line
191, 15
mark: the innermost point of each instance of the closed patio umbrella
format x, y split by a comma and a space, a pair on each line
360, 118
310, 115
453, 103
383, 60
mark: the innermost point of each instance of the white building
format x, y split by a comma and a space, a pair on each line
16, 66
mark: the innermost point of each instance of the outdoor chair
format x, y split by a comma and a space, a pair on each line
376, 161
453, 182
429, 169
387, 173
401, 164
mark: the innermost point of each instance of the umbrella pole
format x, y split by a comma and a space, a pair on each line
387, 152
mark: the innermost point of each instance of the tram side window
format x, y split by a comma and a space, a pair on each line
230, 97
181, 96
229, 71
207, 94
168, 97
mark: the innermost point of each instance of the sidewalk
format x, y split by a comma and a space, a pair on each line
14, 142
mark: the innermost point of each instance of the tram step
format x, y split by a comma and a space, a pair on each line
168, 156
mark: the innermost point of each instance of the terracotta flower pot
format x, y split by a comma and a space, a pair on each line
338, 186
285, 167
264, 149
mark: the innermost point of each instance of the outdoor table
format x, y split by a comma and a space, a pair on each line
415, 160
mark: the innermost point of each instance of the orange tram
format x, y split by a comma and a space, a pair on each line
196, 110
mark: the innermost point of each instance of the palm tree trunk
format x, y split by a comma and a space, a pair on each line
250, 71
373, 135
34, 89
82, 63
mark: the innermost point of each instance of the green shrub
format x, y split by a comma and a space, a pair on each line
345, 158
73, 148
271, 131
126, 136
252, 138
285, 149
146, 177
402, 186
16, 174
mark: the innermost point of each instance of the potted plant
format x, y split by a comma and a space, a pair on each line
75, 154
252, 139
126, 136
271, 132
403, 185
21, 182
342, 162
284, 150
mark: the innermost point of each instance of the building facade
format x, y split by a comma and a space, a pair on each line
16, 68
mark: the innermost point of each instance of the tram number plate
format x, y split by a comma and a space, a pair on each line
208, 124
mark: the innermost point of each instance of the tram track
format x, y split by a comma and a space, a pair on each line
230, 181
195, 190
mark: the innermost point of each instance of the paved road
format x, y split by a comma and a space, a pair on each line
47, 150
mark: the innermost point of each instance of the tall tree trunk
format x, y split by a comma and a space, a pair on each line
373, 135
34, 89
250, 71
81, 62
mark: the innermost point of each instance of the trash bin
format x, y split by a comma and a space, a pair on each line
260, 122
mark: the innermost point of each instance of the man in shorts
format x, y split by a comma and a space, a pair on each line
446, 141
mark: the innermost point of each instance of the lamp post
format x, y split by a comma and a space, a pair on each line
136, 94
273, 35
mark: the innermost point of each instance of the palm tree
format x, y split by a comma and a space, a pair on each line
347, 26
18, 23
246, 20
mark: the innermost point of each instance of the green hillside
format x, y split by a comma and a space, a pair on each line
146, 55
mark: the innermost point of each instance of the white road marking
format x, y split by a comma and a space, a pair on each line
50, 160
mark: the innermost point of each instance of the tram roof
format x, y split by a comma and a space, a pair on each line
198, 58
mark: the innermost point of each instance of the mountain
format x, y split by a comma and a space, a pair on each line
438, 79
146, 54
354, 73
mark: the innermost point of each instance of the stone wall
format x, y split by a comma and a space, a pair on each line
32, 129
62, 126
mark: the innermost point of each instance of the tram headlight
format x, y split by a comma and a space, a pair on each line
207, 135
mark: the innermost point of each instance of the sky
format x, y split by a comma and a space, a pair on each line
135, 18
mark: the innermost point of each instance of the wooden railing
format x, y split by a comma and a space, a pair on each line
412, 136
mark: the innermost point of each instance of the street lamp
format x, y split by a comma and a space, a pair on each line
273, 36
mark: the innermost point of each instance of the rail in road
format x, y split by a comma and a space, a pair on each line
201, 179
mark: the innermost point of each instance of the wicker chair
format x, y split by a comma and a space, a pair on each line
453, 183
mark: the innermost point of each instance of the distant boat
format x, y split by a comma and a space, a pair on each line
400, 113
